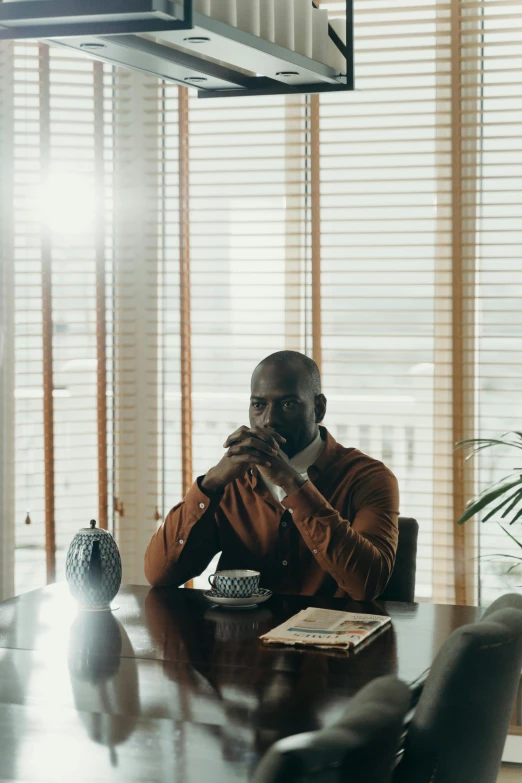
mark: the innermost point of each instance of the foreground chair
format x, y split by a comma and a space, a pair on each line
360, 747
506, 601
458, 731
401, 586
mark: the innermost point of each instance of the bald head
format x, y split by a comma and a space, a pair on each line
295, 363
286, 395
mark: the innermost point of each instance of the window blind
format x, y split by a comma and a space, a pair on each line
28, 370
7, 472
250, 253
59, 145
74, 234
145, 301
386, 241
378, 231
494, 59
102, 383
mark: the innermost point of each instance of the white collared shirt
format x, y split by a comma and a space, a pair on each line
301, 462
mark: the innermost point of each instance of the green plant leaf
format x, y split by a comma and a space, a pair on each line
469, 442
516, 517
518, 497
486, 498
478, 444
517, 542
506, 435
505, 500
477, 451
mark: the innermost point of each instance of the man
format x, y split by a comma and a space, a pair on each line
286, 500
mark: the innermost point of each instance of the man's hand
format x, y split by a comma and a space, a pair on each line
245, 447
281, 472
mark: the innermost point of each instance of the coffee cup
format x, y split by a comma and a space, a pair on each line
236, 583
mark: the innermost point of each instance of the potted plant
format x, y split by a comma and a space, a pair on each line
503, 499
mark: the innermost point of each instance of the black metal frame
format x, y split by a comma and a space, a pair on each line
110, 30
100, 17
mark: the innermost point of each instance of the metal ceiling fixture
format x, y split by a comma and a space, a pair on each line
175, 42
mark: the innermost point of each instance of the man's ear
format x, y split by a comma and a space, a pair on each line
320, 408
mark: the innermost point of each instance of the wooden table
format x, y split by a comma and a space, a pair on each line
166, 688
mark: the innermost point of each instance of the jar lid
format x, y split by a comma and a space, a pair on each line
94, 529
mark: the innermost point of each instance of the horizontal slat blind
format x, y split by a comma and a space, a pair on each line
70, 218
28, 390
249, 253
7, 470
497, 62
385, 221
420, 196
55, 212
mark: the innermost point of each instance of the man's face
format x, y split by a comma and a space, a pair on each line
281, 399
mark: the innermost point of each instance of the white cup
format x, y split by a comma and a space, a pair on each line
238, 583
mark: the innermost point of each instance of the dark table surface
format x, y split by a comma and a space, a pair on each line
165, 688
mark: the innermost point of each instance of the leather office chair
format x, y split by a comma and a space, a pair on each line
459, 727
401, 586
360, 747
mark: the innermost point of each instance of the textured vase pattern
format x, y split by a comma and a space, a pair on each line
91, 595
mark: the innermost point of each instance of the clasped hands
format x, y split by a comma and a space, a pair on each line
249, 446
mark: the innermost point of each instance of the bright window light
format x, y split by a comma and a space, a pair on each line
67, 203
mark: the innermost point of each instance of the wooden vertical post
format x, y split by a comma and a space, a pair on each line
465, 90
47, 319
101, 325
315, 163
7, 291
184, 290
296, 224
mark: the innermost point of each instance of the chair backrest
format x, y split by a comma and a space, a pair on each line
459, 727
506, 601
358, 748
401, 585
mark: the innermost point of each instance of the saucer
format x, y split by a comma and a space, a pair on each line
238, 603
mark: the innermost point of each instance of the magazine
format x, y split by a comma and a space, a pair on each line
326, 628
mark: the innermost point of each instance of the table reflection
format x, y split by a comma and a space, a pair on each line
95, 645
262, 693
